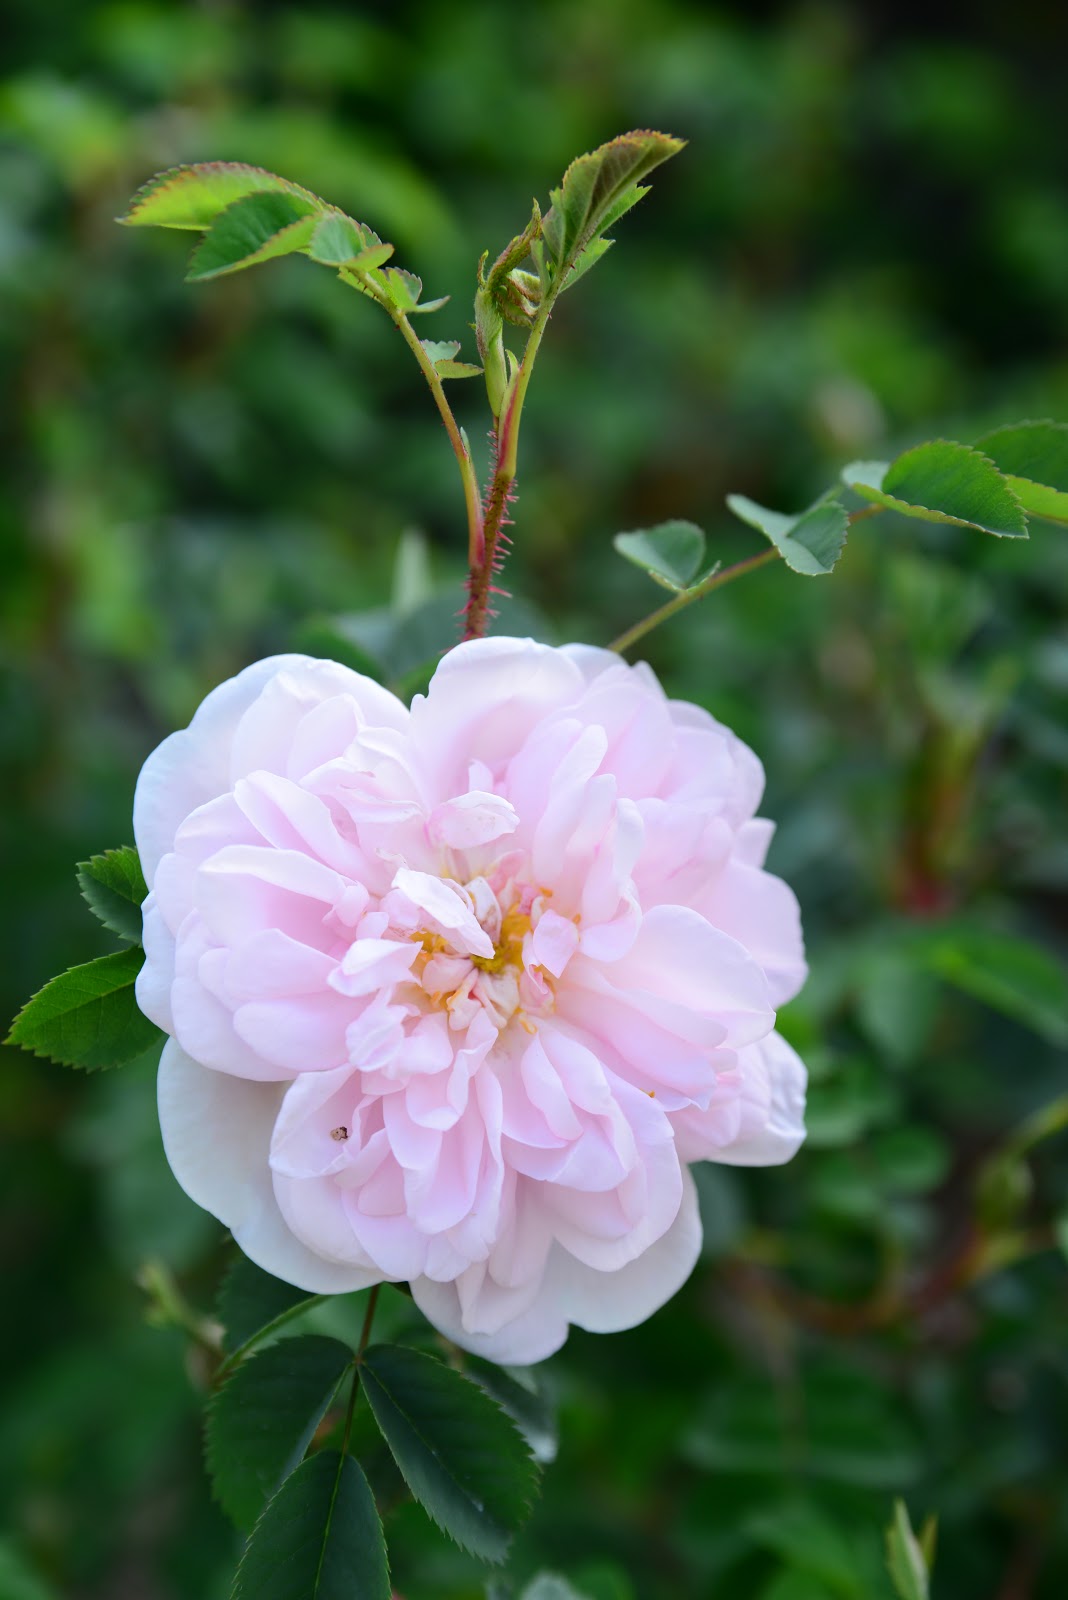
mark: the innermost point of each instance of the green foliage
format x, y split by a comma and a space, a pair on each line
816, 1551
517, 1392
909, 1558
114, 888
17, 1580
262, 1420
319, 1538
256, 228
190, 476
194, 197
551, 1586
88, 1017
252, 1303
942, 482
460, 1455
1034, 458
809, 543
1010, 974
671, 554
249, 215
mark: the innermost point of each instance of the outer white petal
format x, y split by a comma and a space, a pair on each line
217, 1134
193, 766
784, 1130
606, 1302
601, 1302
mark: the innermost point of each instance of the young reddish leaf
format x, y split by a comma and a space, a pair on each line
598, 188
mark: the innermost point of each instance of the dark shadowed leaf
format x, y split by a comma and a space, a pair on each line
461, 1457
192, 197
261, 1422
319, 1538
942, 482
670, 553
811, 1543
88, 1017
516, 1392
113, 886
1011, 974
1034, 458
252, 1302
809, 543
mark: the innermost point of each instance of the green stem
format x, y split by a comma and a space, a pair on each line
480, 577
715, 580
472, 498
366, 285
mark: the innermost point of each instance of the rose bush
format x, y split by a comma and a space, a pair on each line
455, 993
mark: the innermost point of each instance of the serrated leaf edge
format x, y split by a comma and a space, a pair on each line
527, 1496
62, 1061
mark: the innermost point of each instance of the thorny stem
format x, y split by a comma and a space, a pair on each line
499, 494
715, 580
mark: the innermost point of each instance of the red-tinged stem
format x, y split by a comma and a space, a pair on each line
501, 489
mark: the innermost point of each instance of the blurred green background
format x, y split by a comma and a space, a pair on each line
865, 244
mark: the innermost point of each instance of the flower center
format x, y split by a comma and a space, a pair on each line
508, 950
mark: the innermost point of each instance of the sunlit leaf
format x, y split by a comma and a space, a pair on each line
339, 241
942, 482
1034, 458
257, 228
193, 196
404, 288
88, 1017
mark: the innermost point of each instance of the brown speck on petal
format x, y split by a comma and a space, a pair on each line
339, 1134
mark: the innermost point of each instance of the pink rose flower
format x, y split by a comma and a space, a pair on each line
455, 994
